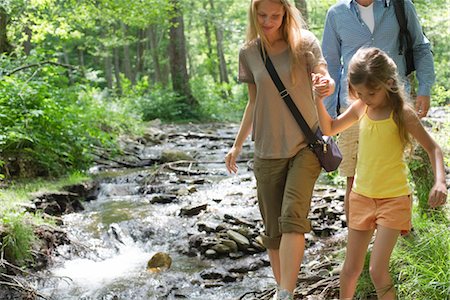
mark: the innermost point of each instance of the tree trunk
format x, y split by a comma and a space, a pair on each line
140, 53
126, 56
211, 61
219, 46
108, 69
27, 43
67, 62
5, 46
117, 70
177, 56
153, 45
80, 57
301, 5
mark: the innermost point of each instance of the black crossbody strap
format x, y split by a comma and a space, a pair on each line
287, 98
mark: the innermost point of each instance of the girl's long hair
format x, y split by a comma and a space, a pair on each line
375, 69
290, 29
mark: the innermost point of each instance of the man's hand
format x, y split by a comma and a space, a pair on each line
422, 105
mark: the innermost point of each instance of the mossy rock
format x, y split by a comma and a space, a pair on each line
174, 155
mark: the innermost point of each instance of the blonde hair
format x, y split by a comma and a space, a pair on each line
375, 69
291, 27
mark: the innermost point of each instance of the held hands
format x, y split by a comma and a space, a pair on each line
323, 86
438, 195
230, 159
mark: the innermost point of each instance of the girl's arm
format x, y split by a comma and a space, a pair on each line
323, 86
244, 130
438, 193
331, 126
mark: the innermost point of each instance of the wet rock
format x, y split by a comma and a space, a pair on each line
246, 266
236, 255
208, 228
163, 199
192, 189
210, 253
237, 221
160, 261
58, 203
153, 135
232, 245
88, 190
242, 242
196, 240
324, 231
257, 246
221, 249
213, 274
174, 155
116, 233
192, 211
48, 239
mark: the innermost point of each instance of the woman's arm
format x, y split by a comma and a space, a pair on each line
244, 131
438, 193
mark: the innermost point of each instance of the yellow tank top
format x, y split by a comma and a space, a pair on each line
381, 171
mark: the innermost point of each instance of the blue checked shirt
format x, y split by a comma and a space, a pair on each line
345, 32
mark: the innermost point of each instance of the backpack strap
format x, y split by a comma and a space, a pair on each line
399, 6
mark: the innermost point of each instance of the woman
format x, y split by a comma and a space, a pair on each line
285, 168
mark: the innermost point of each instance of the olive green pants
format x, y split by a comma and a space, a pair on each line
285, 188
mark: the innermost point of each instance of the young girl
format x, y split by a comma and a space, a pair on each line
284, 167
380, 197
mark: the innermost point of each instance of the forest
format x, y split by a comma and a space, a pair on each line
73, 73
76, 76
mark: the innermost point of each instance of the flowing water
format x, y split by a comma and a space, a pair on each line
116, 234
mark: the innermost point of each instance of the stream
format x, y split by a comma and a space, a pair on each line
183, 210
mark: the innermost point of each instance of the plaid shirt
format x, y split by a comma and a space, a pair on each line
345, 32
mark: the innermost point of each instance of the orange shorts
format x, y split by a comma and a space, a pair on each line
366, 213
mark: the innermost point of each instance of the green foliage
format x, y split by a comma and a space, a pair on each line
422, 176
53, 118
17, 242
433, 19
421, 262
440, 95
49, 126
156, 102
220, 101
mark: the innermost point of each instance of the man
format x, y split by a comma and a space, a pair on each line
353, 24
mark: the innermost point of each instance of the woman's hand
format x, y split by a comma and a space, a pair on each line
323, 86
230, 159
438, 195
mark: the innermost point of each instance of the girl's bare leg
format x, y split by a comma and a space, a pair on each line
357, 244
385, 241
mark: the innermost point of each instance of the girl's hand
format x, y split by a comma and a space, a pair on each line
438, 195
230, 159
323, 86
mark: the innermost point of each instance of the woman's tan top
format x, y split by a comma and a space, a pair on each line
275, 132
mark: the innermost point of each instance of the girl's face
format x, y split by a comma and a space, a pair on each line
372, 97
270, 17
